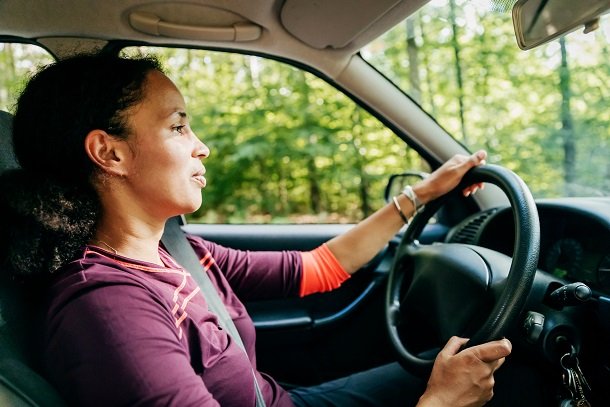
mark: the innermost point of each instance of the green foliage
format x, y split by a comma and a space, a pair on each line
512, 99
288, 147
17, 63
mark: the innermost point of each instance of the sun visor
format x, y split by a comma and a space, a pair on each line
341, 23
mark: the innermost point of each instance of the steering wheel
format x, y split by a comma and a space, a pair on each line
436, 291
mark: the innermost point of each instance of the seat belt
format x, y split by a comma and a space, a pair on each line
180, 249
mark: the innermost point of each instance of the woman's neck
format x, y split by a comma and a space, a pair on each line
138, 242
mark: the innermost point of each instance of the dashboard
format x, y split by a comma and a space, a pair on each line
574, 238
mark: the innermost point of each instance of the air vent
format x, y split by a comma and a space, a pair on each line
468, 232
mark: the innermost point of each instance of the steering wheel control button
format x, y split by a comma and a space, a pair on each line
533, 324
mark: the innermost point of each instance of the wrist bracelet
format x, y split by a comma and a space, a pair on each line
400, 212
418, 206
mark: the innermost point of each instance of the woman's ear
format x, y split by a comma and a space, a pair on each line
107, 152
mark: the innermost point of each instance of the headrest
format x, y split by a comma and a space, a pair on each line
7, 157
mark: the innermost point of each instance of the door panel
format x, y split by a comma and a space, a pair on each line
322, 336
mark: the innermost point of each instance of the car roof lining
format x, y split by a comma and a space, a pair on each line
312, 22
299, 28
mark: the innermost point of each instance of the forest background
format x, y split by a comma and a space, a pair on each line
289, 148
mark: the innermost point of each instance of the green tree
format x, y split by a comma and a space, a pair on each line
17, 63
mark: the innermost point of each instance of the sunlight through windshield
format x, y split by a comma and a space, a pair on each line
542, 113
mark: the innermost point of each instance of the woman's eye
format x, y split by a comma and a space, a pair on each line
179, 129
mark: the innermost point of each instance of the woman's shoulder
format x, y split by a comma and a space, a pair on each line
94, 265
95, 273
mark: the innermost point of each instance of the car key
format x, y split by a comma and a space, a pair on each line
574, 380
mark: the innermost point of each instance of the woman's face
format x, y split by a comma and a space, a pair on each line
165, 174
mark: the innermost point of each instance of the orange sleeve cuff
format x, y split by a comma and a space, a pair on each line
321, 271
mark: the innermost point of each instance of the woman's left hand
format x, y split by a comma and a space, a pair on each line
448, 176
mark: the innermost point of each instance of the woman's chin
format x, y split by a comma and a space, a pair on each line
194, 205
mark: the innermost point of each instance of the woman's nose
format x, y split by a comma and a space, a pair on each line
201, 150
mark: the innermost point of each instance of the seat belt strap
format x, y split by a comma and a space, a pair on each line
180, 249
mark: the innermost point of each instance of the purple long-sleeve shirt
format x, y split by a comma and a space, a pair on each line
124, 332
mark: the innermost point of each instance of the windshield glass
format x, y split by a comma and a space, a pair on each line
543, 113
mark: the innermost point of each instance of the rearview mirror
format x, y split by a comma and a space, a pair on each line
539, 21
398, 182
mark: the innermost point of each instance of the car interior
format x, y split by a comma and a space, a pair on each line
499, 263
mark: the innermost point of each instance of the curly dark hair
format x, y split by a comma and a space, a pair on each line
49, 206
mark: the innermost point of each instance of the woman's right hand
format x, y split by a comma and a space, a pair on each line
464, 378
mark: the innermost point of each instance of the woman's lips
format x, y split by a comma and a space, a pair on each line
200, 179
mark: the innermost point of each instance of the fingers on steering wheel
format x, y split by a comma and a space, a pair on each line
475, 159
472, 189
494, 351
454, 344
479, 157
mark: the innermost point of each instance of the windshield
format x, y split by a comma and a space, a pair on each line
542, 113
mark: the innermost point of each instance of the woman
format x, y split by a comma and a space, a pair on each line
107, 157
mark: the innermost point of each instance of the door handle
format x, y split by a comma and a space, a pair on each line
152, 24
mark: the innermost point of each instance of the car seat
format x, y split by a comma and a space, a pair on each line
20, 383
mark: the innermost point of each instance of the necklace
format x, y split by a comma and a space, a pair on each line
107, 245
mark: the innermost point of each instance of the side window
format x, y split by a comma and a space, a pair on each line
17, 62
286, 147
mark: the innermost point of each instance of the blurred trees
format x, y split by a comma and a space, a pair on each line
288, 147
17, 63
544, 113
